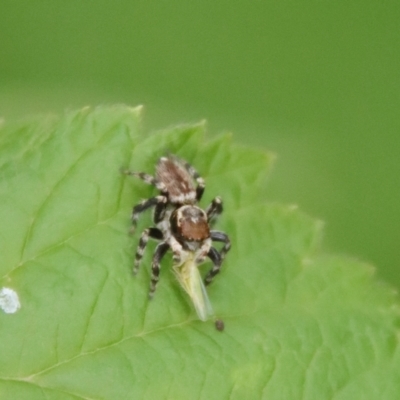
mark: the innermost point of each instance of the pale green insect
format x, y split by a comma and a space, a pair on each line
189, 277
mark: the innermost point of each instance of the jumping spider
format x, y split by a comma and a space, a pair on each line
180, 225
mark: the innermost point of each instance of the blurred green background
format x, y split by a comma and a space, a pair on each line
317, 82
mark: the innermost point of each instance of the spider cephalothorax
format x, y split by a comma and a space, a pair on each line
180, 225
189, 224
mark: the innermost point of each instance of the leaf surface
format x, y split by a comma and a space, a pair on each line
299, 324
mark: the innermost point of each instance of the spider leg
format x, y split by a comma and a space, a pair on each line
215, 257
159, 212
161, 249
195, 175
214, 209
200, 188
149, 179
146, 204
153, 233
218, 236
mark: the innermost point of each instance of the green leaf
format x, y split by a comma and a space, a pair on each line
299, 324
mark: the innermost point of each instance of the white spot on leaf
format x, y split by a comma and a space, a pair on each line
9, 301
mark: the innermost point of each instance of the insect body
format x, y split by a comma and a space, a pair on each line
182, 227
188, 276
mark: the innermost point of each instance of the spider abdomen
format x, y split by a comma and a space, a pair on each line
176, 179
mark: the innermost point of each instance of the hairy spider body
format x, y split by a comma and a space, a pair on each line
180, 225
